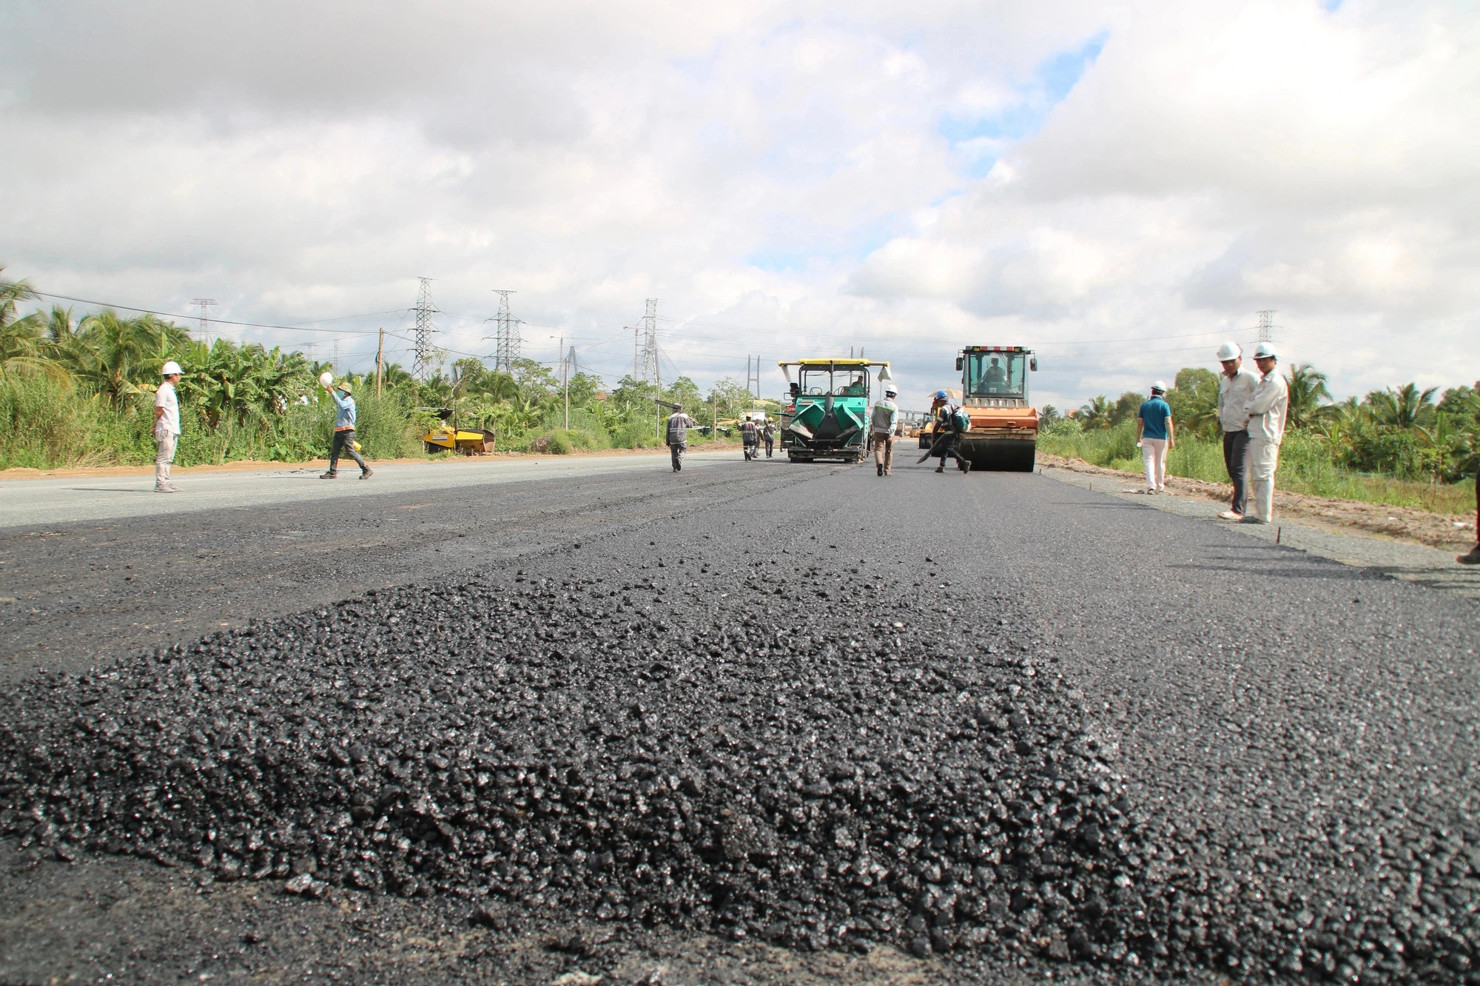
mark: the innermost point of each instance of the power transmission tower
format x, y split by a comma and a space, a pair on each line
650, 372
1266, 325
753, 379
424, 329
506, 335
204, 304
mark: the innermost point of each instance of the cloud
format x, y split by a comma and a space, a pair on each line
1119, 187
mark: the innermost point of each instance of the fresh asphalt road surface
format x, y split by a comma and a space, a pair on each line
1266, 704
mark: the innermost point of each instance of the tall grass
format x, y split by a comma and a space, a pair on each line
1306, 466
48, 425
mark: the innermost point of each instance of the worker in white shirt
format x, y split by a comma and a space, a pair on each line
1235, 390
1268, 410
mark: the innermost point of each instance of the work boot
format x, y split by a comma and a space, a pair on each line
966, 465
1473, 558
367, 472
941, 467
879, 467
330, 475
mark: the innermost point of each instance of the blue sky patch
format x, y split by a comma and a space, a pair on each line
1053, 80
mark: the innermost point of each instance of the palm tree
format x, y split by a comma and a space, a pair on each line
1402, 407
1048, 415
1096, 413
1308, 391
115, 355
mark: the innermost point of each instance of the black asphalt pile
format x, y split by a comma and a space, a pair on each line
575, 745
736, 752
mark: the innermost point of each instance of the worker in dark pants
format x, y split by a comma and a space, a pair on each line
947, 433
677, 434
1236, 388
768, 434
1473, 557
344, 431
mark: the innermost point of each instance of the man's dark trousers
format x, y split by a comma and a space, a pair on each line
1235, 443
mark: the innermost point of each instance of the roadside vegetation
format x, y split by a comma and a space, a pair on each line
1400, 445
79, 391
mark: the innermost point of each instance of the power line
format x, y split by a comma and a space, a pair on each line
298, 327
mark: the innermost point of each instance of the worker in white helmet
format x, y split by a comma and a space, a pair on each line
882, 423
1267, 410
1235, 389
1155, 433
166, 427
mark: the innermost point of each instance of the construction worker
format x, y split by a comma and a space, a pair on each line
678, 435
1235, 389
1267, 410
882, 423
166, 427
344, 431
947, 433
768, 434
1155, 434
995, 379
749, 437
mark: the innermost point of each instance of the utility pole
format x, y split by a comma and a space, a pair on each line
506, 334
650, 371
753, 379
379, 362
566, 364
204, 304
424, 329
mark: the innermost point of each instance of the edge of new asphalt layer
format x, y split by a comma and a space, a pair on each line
1430, 567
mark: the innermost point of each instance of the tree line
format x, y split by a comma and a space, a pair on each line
78, 390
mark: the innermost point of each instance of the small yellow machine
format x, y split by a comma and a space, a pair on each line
450, 438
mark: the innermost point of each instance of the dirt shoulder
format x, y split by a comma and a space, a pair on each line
1450, 532
256, 465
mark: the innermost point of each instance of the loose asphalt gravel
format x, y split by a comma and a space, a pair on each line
749, 723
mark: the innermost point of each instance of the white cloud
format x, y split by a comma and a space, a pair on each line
786, 176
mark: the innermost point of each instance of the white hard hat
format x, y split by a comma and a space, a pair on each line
1158, 387
170, 369
1266, 350
1228, 351
890, 392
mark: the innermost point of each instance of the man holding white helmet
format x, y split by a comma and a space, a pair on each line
1155, 433
344, 431
166, 427
1235, 389
881, 431
1267, 411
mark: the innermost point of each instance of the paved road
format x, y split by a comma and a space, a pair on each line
1275, 712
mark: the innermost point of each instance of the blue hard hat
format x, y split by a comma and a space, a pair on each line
941, 395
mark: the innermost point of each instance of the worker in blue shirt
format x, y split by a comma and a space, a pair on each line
344, 431
1155, 434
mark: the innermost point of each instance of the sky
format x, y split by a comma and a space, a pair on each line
1119, 187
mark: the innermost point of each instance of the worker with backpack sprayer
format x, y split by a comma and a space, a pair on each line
950, 422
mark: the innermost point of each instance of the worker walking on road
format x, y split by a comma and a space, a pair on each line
166, 427
750, 437
1155, 433
344, 431
678, 435
768, 435
947, 432
1267, 410
1235, 390
882, 423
